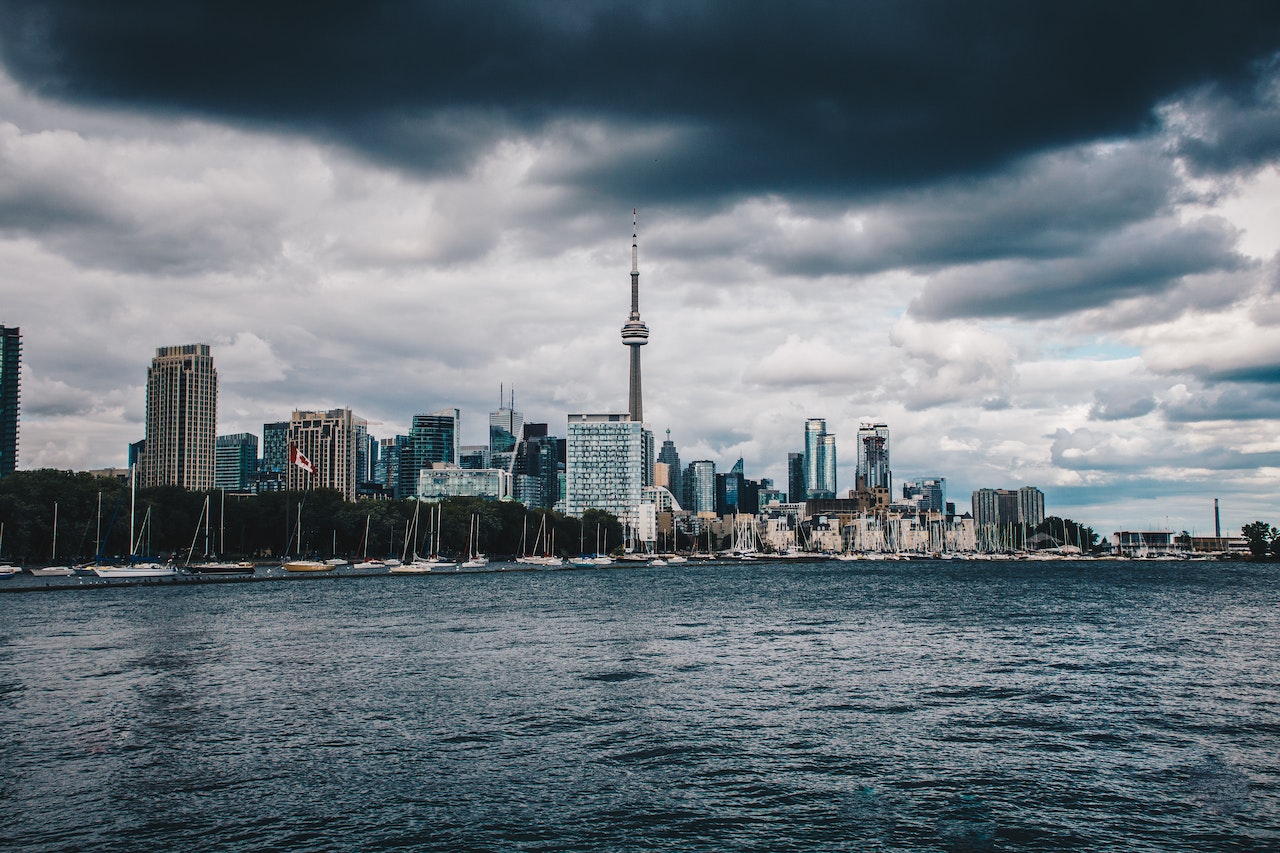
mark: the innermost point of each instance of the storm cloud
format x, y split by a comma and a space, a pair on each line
1037, 239
817, 99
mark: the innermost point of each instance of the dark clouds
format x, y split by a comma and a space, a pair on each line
1145, 259
815, 98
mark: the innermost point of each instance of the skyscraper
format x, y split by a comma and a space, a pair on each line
604, 466
700, 487
275, 446
10, 359
873, 457
927, 493
1030, 506
506, 425
796, 492
235, 460
1001, 507
671, 459
328, 440
432, 438
635, 333
539, 463
182, 418
819, 460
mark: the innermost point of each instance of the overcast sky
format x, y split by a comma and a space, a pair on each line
1039, 240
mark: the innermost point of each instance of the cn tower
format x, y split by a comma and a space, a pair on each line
635, 333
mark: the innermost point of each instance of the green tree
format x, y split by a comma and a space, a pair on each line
1261, 535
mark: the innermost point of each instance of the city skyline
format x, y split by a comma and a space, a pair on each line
1062, 274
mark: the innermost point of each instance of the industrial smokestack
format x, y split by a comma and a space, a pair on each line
1217, 521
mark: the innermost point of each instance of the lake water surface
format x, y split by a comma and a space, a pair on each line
934, 706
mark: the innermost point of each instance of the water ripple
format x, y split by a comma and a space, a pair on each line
904, 706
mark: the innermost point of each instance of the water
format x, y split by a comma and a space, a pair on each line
868, 706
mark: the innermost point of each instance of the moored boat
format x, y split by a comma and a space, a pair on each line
52, 571
307, 566
221, 568
137, 570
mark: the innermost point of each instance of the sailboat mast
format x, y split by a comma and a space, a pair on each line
133, 503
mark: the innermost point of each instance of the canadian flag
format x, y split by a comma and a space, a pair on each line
297, 457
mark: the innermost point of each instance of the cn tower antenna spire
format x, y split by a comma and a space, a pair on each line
635, 333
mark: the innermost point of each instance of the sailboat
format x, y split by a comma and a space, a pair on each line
145, 569
301, 565
335, 560
582, 560
419, 565
602, 557
475, 559
531, 557
211, 566
53, 570
547, 541
365, 563
6, 570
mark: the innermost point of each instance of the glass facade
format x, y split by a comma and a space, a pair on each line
275, 446
432, 438
796, 492
446, 481
605, 465
505, 428
819, 460
236, 461
929, 494
671, 459
700, 486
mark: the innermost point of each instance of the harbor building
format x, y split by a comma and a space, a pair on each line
10, 376
235, 461
443, 480
328, 440
182, 418
604, 465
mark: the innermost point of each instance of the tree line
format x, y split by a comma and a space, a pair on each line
1263, 539
93, 519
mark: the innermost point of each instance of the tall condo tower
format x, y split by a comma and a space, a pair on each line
635, 333
10, 355
182, 417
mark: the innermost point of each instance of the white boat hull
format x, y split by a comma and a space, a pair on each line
53, 571
140, 571
307, 566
